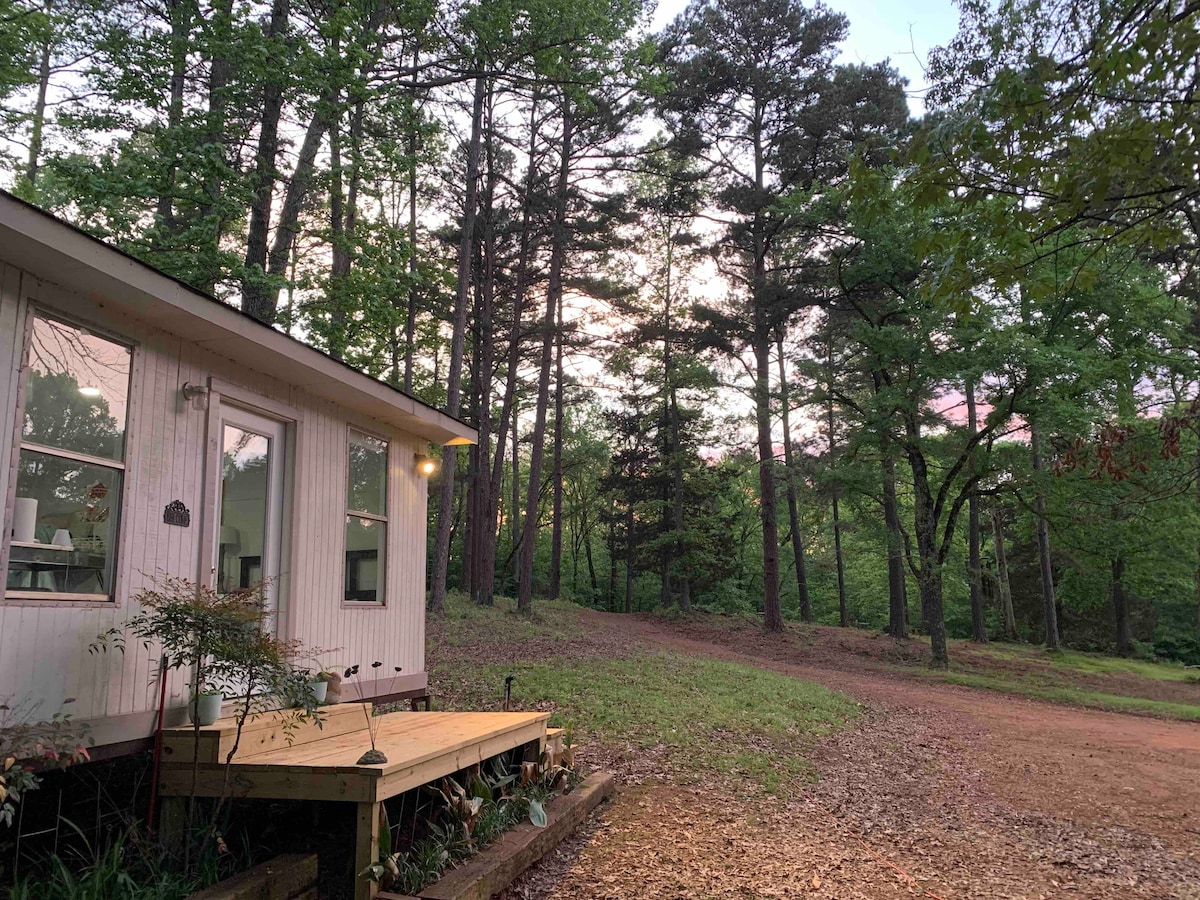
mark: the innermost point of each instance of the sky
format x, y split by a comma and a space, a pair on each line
891, 29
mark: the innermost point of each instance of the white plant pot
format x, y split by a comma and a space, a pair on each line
320, 689
206, 708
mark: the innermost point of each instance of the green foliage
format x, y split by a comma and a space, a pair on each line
29, 745
127, 867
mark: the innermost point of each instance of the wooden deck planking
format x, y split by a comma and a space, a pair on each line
421, 747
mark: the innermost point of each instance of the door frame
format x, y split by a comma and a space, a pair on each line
237, 399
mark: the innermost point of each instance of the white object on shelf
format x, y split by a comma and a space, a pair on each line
24, 518
62, 538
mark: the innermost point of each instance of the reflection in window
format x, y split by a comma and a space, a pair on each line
70, 471
366, 518
245, 473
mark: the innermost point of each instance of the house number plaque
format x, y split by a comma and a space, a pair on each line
176, 513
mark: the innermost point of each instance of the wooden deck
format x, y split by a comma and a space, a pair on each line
322, 763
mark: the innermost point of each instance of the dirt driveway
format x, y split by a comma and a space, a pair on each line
938, 791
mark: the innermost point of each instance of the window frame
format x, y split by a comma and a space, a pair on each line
353, 428
18, 597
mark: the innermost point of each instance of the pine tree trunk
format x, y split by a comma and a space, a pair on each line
974, 573
630, 555
1049, 608
843, 609
1120, 599
556, 524
1197, 476
181, 14
255, 296
1006, 605
37, 124
897, 586
482, 566
806, 613
508, 405
553, 296
410, 315
441, 549
929, 565
772, 612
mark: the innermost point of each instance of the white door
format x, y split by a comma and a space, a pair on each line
249, 519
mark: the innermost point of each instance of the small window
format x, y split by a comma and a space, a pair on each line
366, 519
71, 467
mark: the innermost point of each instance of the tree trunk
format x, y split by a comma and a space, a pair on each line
897, 587
843, 610
255, 295
38, 119
630, 554
483, 533
974, 574
441, 550
806, 613
556, 515
554, 290
1049, 608
181, 14
410, 314
929, 567
1121, 607
508, 405
772, 613
1198, 544
1006, 605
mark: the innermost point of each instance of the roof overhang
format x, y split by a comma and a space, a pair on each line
57, 252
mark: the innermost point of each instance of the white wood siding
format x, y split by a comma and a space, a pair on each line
44, 648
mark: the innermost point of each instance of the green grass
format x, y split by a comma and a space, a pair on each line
467, 623
1089, 663
710, 716
1073, 695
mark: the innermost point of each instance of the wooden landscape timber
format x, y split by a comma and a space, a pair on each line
499, 865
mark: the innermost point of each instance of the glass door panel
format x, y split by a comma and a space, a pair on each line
250, 503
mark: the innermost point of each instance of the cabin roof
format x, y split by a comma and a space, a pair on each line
56, 251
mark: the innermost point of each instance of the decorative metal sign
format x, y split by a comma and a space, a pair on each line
177, 514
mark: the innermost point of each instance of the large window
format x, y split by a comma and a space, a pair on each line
71, 468
366, 519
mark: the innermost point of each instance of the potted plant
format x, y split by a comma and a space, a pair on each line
205, 707
307, 688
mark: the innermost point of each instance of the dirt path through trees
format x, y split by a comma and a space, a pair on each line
940, 789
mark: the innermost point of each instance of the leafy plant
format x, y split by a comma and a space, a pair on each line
28, 744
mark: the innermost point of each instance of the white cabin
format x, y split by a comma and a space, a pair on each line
150, 429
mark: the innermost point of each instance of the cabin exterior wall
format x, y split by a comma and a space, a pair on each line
44, 644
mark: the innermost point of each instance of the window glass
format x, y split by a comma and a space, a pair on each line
245, 488
76, 391
366, 546
70, 470
368, 474
65, 526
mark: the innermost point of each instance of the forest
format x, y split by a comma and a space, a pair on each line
738, 331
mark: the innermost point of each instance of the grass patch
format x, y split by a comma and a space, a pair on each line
1074, 661
712, 717
468, 623
1076, 696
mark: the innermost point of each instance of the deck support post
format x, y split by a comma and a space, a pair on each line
366, 850
172, 825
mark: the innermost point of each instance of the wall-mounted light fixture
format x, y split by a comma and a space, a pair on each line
426, 465
196, 394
